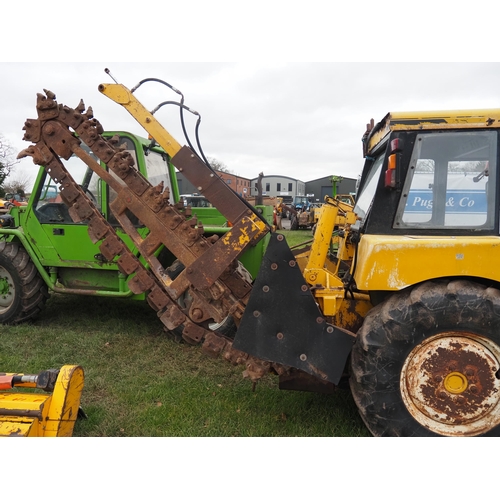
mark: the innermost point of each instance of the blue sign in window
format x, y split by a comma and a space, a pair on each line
457, 201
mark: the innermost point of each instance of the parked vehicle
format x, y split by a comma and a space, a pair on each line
405, 306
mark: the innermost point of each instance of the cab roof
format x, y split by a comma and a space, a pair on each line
425, 120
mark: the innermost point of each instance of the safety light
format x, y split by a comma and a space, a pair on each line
390, 178
390, 173
396, 145
391, 162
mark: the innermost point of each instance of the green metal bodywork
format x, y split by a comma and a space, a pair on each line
67, 259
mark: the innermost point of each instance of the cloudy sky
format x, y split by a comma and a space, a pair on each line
300, 119
303, 120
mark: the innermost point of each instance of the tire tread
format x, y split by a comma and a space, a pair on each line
33, 290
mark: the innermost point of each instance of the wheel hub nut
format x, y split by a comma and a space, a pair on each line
455, 382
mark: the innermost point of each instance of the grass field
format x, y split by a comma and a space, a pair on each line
138, 382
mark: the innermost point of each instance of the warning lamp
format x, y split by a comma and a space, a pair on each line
390, 173
396, 145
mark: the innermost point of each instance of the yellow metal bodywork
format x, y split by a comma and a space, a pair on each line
387, 263
395, 262
322, 273
429, 120
42, 414
392, 263
351, 311
123, 96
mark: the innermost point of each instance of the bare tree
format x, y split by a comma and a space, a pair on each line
219, 166
7, 161
18, 182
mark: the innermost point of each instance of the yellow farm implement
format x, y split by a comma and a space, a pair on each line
51, 412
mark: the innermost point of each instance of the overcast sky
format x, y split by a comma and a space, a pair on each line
303, 120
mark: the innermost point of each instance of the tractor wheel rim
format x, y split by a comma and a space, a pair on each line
7, 290
450, 384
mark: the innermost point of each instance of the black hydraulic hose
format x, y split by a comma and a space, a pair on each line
351, 278
163, 82
350, 283
183, 107
197, 128
196, 131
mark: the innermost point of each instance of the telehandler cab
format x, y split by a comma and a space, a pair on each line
406, 305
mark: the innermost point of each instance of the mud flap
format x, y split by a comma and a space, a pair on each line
283, 324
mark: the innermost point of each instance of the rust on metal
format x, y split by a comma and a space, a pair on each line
229, 204
449, 384
455, 361
214, 345
213, 284
21, 413
256, 368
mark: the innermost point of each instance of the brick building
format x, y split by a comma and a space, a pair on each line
278, 185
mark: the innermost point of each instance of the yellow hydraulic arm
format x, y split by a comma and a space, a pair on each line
51, 413
207, 182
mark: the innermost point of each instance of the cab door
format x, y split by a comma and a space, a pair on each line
60, 241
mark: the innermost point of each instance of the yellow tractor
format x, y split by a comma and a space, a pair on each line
405, 306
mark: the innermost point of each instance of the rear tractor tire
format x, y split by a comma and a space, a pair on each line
427, 362
23, 292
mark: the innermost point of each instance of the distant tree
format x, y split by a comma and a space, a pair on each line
424, 165
219, 166
7, 161
18, 183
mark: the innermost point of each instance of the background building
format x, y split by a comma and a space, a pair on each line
279, 185
320, 188
240, 185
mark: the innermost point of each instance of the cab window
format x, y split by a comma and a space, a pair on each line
450, 181
49, 205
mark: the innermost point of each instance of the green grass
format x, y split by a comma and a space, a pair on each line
296, 237
138, 382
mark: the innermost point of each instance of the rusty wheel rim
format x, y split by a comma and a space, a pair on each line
450, 384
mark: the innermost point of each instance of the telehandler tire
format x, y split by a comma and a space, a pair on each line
23, 292
426, 362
